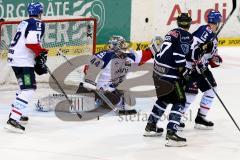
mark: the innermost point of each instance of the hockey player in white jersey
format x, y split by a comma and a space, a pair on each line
25, 56
204, 37
108, 68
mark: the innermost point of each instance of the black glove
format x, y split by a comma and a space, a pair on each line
186, 75
201, 68
42, 58
40, 67
203, 48
206, 47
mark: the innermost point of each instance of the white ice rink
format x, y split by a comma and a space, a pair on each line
48, 138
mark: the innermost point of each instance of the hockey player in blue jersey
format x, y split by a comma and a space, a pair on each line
25, 56
107, 69
206, 40
168, 75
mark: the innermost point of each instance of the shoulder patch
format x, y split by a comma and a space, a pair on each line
173, 33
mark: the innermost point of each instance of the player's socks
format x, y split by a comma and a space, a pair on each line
152, 130
173, 140
23, 119
157, 111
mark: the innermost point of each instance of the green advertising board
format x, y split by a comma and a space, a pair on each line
113, 16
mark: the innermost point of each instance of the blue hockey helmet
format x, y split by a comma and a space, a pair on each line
214, 17
34, 9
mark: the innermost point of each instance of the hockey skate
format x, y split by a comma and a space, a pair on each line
23, 119
152, 130
174, 140
14, 126
127, 112
181, 126
202, 123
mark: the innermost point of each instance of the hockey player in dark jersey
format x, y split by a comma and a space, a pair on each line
206, 40
168, 75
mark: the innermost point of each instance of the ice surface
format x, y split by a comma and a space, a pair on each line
112, 138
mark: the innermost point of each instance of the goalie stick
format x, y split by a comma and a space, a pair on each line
100, 94
63, 92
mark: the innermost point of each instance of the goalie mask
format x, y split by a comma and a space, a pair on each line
118, 43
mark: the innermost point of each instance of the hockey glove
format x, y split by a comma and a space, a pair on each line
42, 58
185, 74
201, 68
155, 45
40, 67
203, 48
206, 47
215, 61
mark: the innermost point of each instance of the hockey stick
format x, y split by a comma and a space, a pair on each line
63, 92
100, 94
234, 3
60, 53
221, 101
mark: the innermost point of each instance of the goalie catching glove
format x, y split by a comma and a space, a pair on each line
40, 67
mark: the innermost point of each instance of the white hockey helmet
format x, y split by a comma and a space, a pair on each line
118, 43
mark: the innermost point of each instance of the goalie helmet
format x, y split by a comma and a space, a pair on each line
34, 9
118, 43
184, 20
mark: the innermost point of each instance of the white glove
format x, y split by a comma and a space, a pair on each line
155, 45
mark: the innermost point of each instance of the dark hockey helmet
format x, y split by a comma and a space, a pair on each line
184, 20
34, 9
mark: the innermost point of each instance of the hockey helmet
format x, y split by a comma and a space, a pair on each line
118, 43
214, 17
34, 9
184, 20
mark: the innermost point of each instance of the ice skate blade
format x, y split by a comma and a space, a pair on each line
171, 143
180, 129
10, 128
202, 127
152, 134
23, 122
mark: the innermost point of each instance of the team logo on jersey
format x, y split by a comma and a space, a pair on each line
173, 33
185, 48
